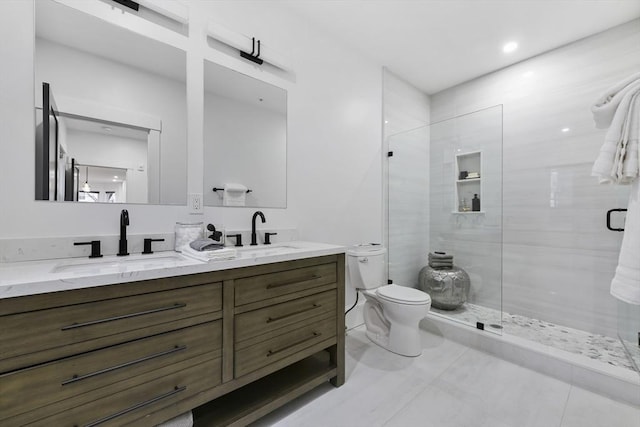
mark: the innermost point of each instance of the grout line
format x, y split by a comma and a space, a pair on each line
566, 404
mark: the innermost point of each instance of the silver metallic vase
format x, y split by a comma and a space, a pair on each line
447, 287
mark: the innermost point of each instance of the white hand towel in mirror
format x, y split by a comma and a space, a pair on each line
234, 195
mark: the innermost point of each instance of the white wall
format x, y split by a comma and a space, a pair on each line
558, 256
334, 132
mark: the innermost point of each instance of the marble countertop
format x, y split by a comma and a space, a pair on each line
38, 277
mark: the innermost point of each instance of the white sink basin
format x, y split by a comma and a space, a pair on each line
265, 250
112, 264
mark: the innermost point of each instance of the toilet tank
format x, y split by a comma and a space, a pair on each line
366, 266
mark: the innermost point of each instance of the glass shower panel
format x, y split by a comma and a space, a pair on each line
466, 210
629, 331
445, 195
408, 206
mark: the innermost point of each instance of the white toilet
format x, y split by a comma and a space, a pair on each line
391, 312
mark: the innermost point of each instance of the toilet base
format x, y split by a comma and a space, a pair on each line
403, 339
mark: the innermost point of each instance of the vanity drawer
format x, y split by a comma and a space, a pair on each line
265, 286
64, 331
295, 342
84, 376
258, 324
134, 403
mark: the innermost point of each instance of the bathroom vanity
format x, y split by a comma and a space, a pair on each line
230, 340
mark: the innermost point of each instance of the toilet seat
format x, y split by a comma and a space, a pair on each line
403, 295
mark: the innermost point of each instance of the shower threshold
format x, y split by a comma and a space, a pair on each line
596, 347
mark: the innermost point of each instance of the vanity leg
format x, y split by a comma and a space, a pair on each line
336, 351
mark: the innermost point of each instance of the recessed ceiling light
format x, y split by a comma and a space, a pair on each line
565, 129
509, 47
386, 121
115, 176
114, 180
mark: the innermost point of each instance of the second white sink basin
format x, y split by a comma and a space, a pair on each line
113, 264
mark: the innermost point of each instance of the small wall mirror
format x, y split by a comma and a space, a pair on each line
116, 114
245, 140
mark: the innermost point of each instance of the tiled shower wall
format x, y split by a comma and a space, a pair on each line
558, 257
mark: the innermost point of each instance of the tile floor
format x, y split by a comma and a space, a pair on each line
449, 385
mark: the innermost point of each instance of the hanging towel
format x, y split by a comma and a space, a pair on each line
626, 282
605, 107
234, 195
618, 160
618, 163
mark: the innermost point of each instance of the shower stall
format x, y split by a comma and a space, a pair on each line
537, 250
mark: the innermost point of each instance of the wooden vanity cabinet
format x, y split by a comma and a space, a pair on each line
232, 344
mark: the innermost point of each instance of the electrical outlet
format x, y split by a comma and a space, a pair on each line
195, 203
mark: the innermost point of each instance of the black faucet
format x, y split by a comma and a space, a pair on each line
254, 236
124, 222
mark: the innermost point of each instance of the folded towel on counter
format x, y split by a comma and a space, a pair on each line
626, 283
618, 159
206, 245
605, 107
214, 255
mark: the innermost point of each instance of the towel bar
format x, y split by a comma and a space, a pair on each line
222, 189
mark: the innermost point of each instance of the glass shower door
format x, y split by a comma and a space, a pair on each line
445, 199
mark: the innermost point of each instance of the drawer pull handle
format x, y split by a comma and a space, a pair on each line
77, 378
124, 316
175, 391
291, 282
284, 316
272, 352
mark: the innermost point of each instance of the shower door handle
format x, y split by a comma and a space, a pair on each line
609, 212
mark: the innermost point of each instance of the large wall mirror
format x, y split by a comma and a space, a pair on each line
111, 114
245, 140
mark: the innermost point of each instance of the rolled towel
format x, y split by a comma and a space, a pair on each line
436, 264
440, 256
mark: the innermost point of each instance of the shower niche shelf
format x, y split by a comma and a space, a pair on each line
468, 182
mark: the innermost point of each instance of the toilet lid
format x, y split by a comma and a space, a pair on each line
403, 294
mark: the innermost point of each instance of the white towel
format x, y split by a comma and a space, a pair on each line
206, 256
618, 159
184, 420
605, 107
626, 282
234, 195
